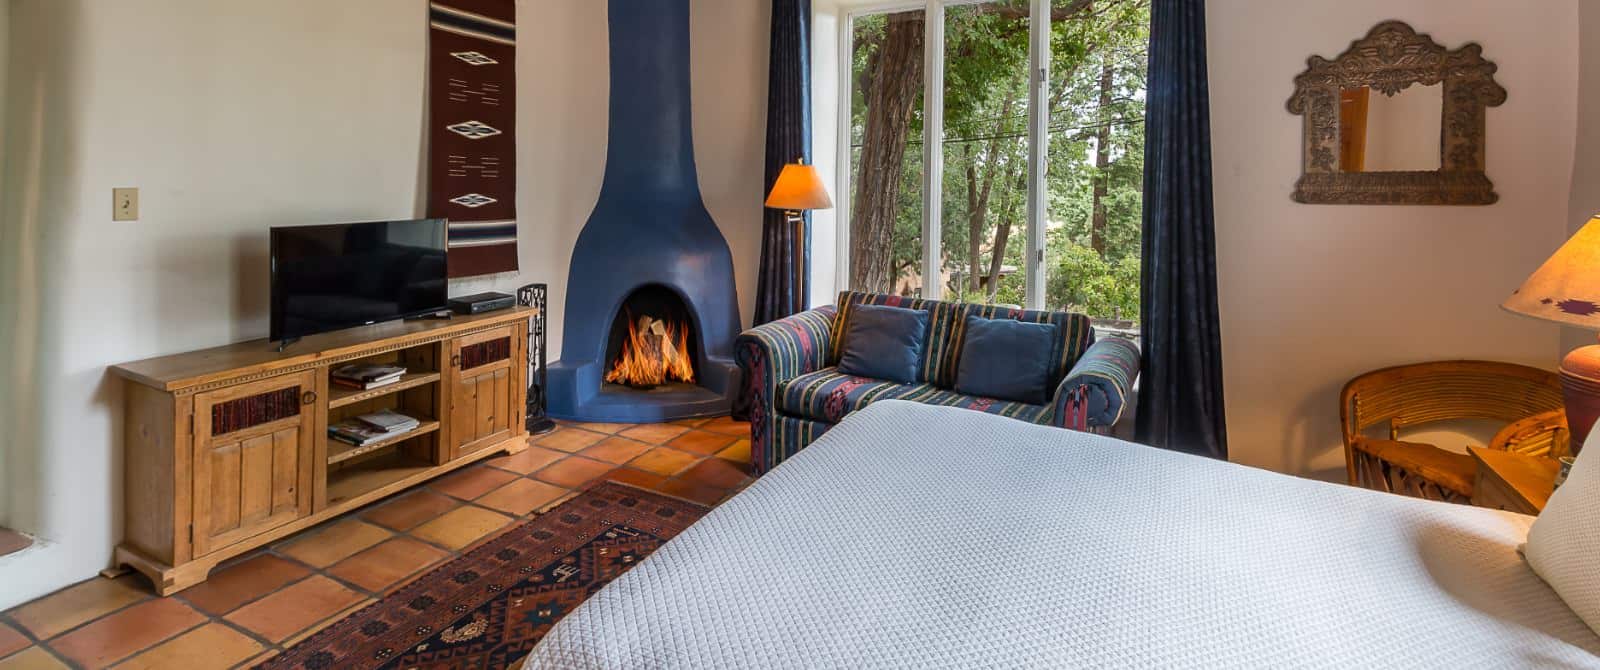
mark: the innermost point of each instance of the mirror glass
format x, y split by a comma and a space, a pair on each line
1390, 133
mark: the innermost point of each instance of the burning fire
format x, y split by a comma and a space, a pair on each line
654, 352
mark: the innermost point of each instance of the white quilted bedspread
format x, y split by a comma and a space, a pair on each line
925, 537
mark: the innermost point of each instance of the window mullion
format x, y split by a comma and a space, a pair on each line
844, 170
933, 150
1038, 149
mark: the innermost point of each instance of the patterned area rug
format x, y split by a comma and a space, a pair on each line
489, 607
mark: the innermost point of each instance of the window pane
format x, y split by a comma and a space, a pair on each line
886, 153
1095, 173
985, 152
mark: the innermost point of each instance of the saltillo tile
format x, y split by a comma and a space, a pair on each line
113, 638
286, 612
615, 450
573, 472
664, 461
460, 527
411, 510
380, 567
214, 645
522, 497
228, 588
329, 545
76, 605
472, 482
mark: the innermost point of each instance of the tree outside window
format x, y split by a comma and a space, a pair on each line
1094, 155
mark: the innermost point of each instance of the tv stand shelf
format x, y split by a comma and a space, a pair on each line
226, 449
339, 396
339, 452
375, 475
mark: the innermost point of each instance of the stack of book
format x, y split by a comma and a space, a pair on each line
366, 375
369, 428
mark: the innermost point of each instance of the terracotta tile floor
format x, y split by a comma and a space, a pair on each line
255, 605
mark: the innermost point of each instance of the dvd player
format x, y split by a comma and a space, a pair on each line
481, 302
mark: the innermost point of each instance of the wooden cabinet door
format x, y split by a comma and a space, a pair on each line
252, 458
482, 398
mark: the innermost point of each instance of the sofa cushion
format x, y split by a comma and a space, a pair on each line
828, 395
930, 395
1006, 359
946, 326
884, 342
938, 353
1074, 335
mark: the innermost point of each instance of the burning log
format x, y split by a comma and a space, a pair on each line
652, 333
654, 352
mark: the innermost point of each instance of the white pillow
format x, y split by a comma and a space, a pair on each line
1564, 543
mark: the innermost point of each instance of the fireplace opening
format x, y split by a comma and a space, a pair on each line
652, 341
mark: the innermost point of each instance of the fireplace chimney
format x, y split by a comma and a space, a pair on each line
649, 228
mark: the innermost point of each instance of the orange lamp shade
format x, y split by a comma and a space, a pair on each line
799, 187
1567, 287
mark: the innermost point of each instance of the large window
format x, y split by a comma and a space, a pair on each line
985, 147
886, 126
1053, 226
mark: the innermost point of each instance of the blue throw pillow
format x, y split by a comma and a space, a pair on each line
1006, 359
884, 342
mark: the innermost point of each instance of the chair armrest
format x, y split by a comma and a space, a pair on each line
1394, 463
1096, 389
1543, 434
775, 352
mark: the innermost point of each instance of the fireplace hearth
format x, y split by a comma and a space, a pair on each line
651, 275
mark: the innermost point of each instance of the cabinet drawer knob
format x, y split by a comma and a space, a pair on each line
455, 361
308, 397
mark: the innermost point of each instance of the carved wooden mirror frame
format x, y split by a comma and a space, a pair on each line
1390, 58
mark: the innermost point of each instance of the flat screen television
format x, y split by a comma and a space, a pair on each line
351, 274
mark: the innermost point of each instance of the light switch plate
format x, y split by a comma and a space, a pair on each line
125, 204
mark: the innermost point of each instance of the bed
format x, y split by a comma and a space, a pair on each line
913, 536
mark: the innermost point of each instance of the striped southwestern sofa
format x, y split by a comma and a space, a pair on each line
799, 394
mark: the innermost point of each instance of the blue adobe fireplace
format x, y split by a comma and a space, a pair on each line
650, 248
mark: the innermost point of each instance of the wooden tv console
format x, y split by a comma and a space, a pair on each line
226, 449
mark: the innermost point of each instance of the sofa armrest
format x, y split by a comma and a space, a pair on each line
771, 354
1093, 394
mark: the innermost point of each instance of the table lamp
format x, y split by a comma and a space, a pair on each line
798, 188
1566, 289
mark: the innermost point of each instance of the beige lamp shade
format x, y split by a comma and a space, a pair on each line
799, 187
1567, 287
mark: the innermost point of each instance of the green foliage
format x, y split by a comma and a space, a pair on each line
986, 143
1080, 280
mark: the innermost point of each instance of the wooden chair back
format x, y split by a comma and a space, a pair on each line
1405, 396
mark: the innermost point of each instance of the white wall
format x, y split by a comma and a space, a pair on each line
1312, 295
9, 261
728, 53
232, 117
1584, 201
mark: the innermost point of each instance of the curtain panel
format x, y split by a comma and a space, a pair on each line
1180, 398
784, 284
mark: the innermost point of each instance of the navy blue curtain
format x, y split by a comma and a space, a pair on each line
1180, 396
784, 284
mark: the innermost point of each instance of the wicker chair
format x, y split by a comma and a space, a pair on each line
1408, 396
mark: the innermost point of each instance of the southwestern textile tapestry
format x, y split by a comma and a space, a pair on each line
472, 142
